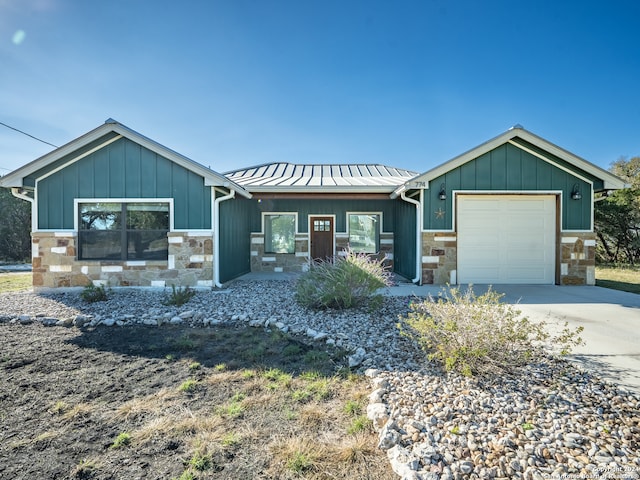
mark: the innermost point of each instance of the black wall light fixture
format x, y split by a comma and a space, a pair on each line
442, 195
575, 192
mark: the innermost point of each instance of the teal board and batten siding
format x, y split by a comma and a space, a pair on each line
313, 206
240, 217
404, 237
123, 169
236, 220
509, 168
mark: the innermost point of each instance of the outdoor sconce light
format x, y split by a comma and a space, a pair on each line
575, 192
442, 195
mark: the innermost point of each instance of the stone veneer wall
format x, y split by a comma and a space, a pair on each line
386, 247
190, 263
299, 261
439, 258
577, 258
279, 262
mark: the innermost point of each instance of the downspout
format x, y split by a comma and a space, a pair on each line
418, 237
17, 192
216, 233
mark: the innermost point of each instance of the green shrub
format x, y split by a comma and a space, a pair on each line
478, 334
122, 440
359, 424
94, 293
189, 386
179, 296
344, 282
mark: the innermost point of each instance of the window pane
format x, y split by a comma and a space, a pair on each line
279, 233
147, 245
139, 232
148, 216
364, 232
100, 245
100, 216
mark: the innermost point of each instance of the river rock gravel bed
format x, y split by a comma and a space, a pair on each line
549, 420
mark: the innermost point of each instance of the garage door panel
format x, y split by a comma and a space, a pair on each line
506, 239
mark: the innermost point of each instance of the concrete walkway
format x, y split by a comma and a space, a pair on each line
611, 320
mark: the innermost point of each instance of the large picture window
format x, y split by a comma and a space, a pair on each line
123, 231
364, 232
280, 233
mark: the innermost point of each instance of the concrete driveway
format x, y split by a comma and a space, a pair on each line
611, 321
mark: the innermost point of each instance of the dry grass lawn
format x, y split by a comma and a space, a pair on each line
13, 282
626, 279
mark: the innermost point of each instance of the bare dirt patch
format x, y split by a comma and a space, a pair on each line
179, 402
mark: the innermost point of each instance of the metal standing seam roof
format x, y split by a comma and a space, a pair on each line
289, 176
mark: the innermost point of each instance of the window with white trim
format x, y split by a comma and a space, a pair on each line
280, 233
123, 231
364, 232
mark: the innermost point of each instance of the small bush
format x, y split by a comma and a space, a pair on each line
479, 335
359, 424
300, 463
201, 461
122, 440
345, 282
179, 296
94, 293
188, 386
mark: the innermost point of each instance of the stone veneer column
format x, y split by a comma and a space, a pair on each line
577, 258
439, 258
190, 263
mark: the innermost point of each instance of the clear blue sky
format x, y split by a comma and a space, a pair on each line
242, 82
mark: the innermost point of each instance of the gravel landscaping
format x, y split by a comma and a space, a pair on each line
550, 420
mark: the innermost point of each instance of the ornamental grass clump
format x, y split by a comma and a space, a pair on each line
478, 334
346, 281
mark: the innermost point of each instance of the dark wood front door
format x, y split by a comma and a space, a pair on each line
321, 237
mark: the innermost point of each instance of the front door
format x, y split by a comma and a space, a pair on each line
321, 237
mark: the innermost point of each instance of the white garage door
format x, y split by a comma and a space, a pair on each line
506, 239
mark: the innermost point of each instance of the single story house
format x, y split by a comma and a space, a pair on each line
114, 207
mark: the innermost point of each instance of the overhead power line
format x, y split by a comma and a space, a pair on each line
28, 135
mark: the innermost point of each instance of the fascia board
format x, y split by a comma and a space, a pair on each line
15, 178
610, 180
211, 178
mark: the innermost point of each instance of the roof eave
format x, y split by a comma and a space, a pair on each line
211, 178
610, 181
324, 189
